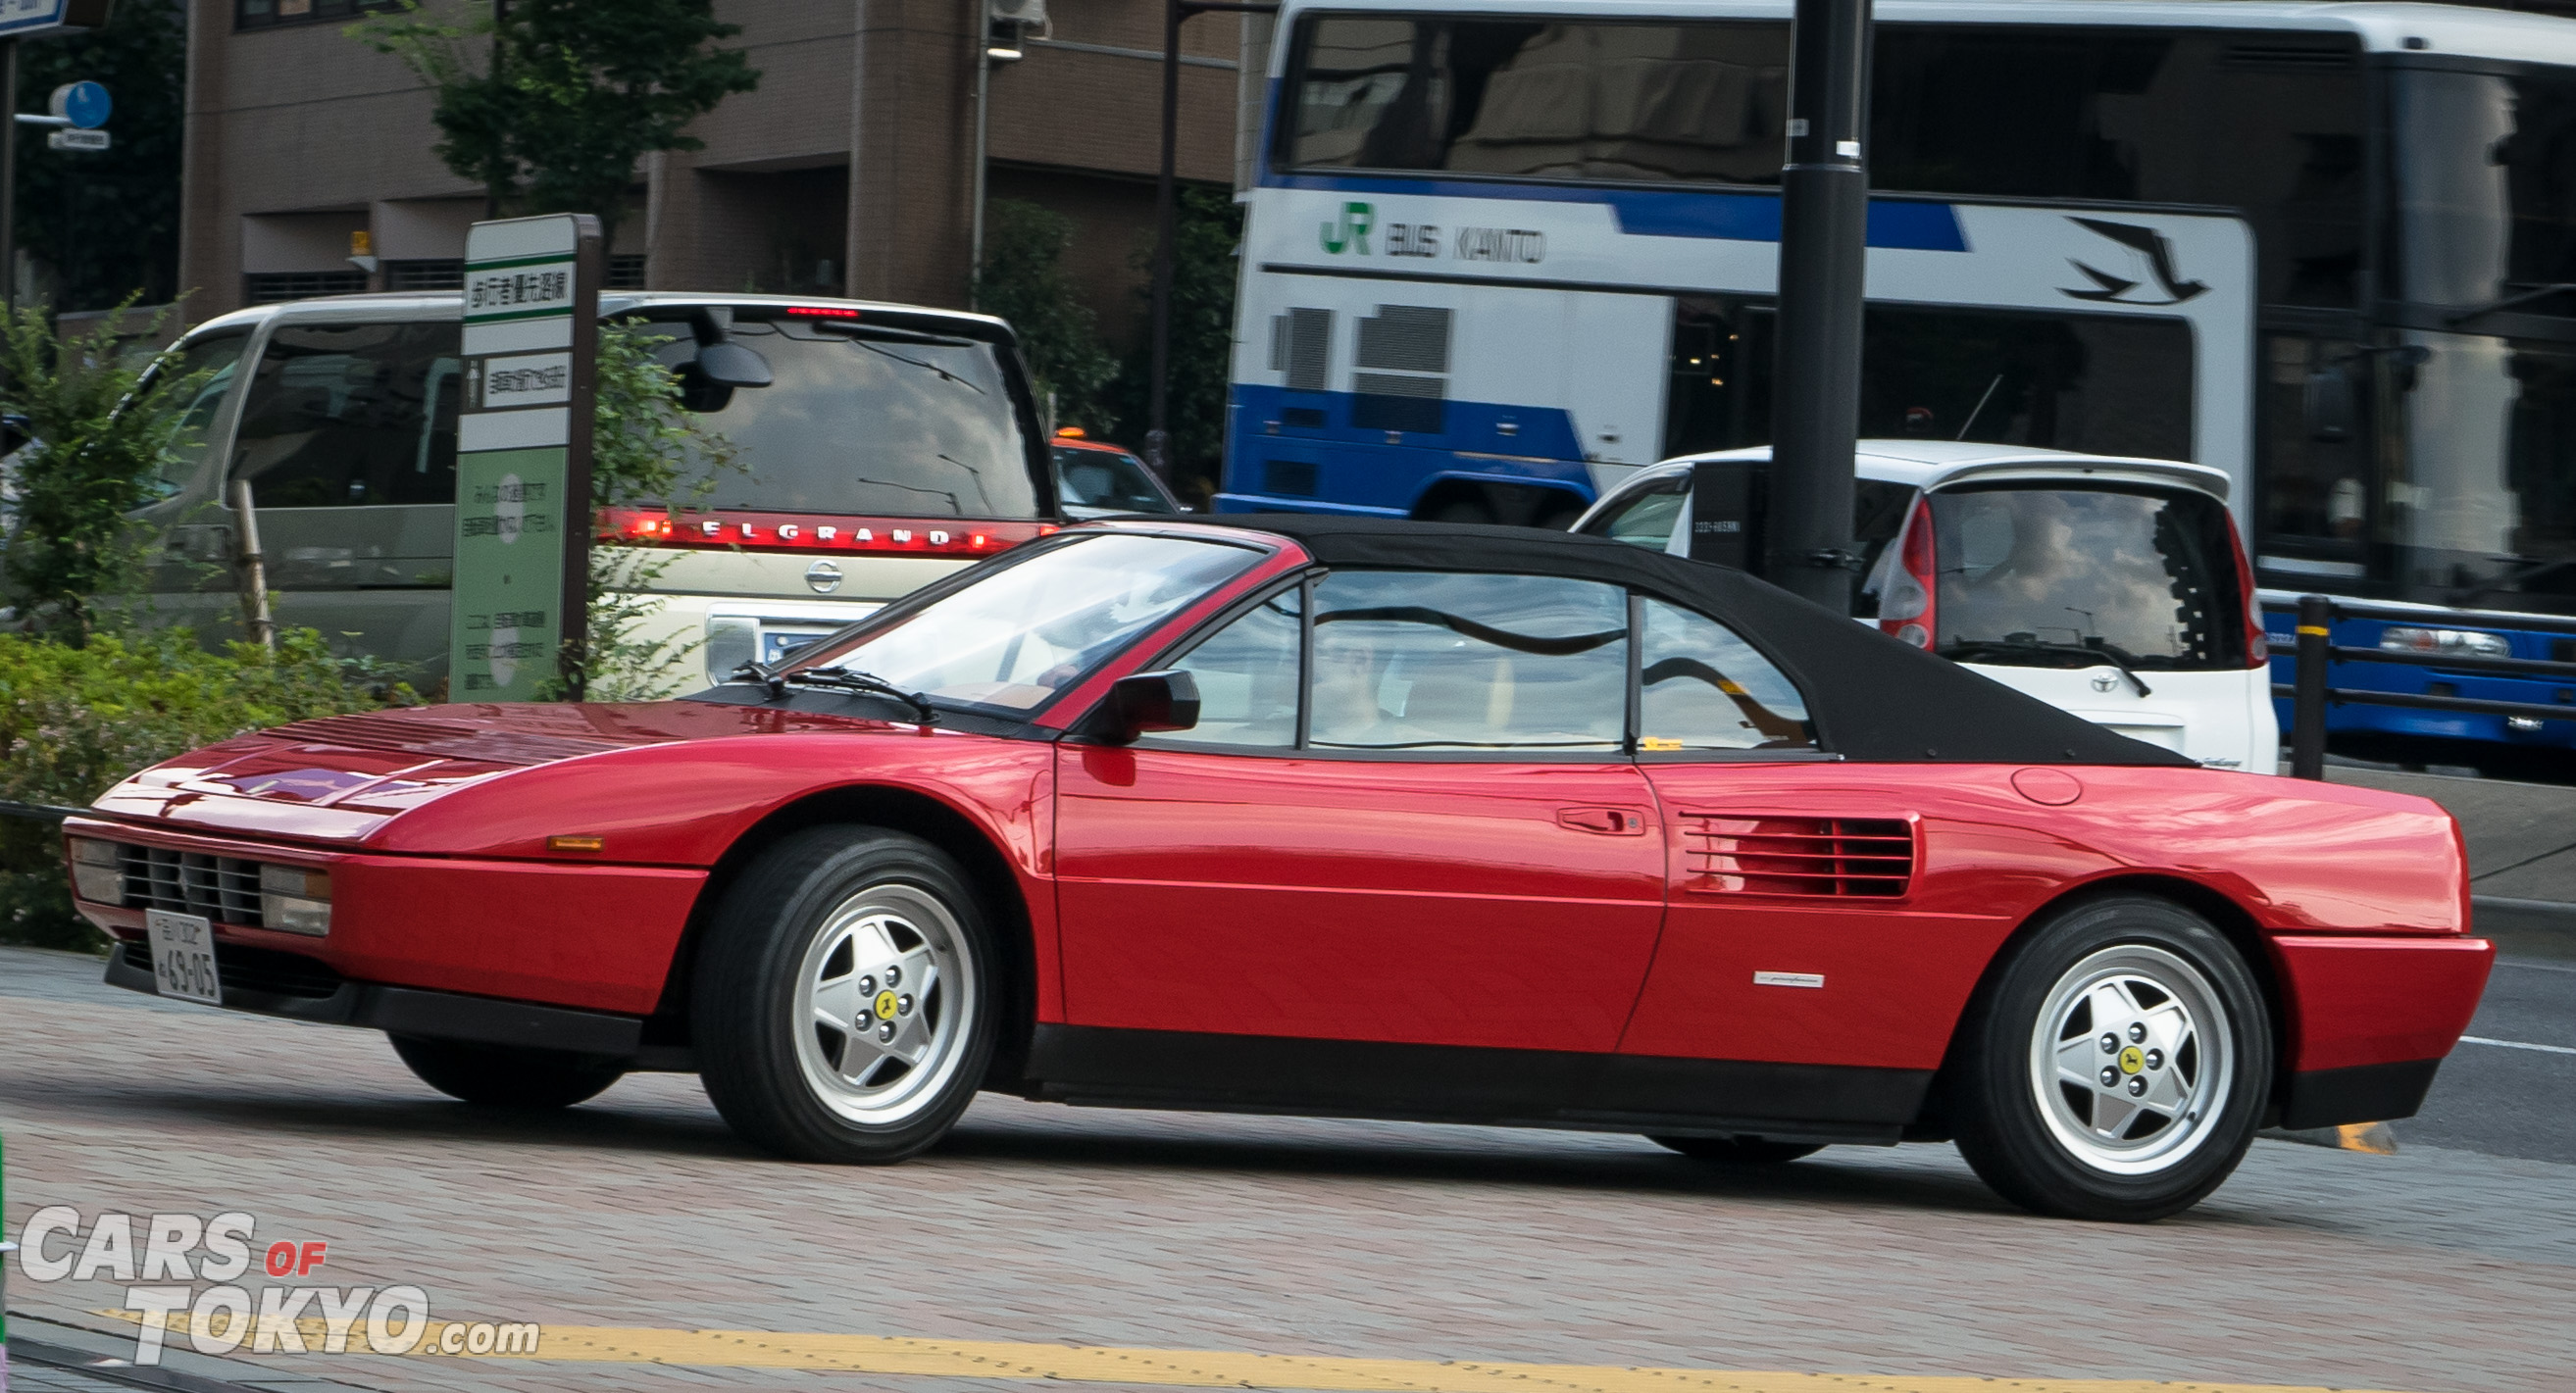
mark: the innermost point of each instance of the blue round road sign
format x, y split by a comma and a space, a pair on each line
86, 103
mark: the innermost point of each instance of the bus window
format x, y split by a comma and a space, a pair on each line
1622, 99
2096, 383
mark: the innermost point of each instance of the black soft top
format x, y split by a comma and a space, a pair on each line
1872, 698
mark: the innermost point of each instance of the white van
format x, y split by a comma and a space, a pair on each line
884, 446
2116, 589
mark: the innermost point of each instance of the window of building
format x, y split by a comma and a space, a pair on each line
260, 14
272, 287
441, 273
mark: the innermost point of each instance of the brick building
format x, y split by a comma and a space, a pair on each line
849, 171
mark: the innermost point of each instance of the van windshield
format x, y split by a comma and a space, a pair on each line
2047, 577
863, 419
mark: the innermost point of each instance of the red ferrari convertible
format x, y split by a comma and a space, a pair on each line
1343, 817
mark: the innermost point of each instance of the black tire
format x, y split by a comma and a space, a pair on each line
781, 1080
2082, 1149
507, 1076
1738, 1151
1461, 510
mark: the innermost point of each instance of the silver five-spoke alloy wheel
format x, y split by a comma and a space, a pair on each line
2131, 1060
885, 997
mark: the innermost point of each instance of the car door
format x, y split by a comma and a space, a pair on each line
193, 580
348, 440
1793, 932
1407, 815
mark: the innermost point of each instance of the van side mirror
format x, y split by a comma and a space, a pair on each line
15, 432
730, 364
1146, 701
2333, 408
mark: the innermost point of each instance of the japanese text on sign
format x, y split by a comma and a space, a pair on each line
509, 292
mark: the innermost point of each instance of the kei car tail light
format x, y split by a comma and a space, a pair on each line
1906, 609
295, 900
2258, 645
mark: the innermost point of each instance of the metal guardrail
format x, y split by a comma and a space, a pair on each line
2315, 648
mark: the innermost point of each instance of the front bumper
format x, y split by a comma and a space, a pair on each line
408, 1010
571, 935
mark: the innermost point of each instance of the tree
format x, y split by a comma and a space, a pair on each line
1023, 281
107, 222
647, 451
1205, 234
100, 424
550, 105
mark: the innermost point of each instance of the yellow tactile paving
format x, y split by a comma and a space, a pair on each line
1187, 1368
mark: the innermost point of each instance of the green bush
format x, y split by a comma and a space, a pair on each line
73, 721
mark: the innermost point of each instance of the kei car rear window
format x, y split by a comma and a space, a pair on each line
2054, 577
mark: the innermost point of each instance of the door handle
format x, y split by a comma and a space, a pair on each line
1609, 822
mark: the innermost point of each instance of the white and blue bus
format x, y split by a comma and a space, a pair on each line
1500, 254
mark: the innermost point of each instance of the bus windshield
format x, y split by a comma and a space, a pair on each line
860, 419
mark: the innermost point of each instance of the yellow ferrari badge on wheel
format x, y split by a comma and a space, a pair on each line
885, 1006
2132, 1059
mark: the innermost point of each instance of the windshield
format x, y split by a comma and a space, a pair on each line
1108, 479
864, 420
2486, 205
2046, 576
1035, 626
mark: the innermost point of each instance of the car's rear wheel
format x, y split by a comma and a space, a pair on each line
2116, 1068
843, 1007
1737, 1151
509, 1076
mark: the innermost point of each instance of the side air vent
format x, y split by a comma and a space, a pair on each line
1858, 857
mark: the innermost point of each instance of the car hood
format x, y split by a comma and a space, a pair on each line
338, 778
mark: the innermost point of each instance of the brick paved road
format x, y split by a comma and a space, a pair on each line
2434, 1270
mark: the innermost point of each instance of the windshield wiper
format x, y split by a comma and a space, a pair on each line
2508, 302
839, 679
919, 363
2106, 652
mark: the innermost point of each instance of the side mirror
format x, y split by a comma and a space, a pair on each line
14, 433
732, 365
1146, 701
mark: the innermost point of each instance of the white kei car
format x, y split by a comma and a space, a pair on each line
2116, 589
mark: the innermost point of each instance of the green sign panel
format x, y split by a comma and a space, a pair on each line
522, 456
510, 528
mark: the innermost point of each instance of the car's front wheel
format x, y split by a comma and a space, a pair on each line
843, 1007
2117, 1066
509, 1076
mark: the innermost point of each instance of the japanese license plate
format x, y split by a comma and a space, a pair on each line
183, 956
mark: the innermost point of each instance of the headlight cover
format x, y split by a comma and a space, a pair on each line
2465, 643
295, 900
96, 876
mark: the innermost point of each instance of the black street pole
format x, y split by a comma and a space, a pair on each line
1158, 434
1824, 213
9, 178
